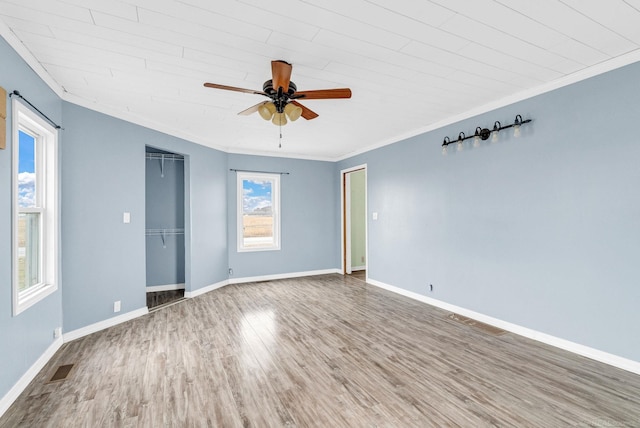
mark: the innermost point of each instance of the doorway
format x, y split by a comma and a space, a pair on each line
354, 221
165, 226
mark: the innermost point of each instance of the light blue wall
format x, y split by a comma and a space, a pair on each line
25, 337
164, 207
104, 176
206, 211
164, 194
308, 217
542, 231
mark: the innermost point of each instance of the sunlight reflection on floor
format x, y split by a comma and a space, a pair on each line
258, 329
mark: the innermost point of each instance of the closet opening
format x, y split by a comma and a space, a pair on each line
165, 227
354, 221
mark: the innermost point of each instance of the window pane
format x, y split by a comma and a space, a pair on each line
257, 213
28, 250
34, 209
26, 171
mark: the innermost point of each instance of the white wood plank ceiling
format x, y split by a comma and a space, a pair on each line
412, 64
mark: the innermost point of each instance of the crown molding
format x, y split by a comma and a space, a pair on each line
578, 76
31, 60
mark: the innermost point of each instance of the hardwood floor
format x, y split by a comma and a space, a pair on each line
159, 299
325, 351
359, 274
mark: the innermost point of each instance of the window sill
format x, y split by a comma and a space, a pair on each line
252, 250
31, 297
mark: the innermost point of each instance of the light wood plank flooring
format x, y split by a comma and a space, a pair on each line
359, 274
324, 351
158, 299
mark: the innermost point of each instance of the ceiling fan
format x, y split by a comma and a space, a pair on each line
283, 95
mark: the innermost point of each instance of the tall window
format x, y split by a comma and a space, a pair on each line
34, 208
258, 211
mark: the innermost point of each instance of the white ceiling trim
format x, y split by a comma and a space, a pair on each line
28, 57
144, 62
133, 118
575, 77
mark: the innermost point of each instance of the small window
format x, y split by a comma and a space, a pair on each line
258, 211
34, 208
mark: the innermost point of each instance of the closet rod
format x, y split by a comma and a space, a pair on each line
260, 172
154, 232
163, 233
164, 156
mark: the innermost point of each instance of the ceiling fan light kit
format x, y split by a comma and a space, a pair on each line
293, 112
279, 119
283, 95
267, 110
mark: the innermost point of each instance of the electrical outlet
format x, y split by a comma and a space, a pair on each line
57, 332
362, 259
116, 306
431, 288
230, 272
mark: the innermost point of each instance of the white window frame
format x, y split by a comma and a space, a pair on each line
275, 200
46, 151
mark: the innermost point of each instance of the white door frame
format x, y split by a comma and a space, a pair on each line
345, 216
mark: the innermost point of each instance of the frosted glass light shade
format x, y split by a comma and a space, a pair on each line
267, 110
292, 111
279, 119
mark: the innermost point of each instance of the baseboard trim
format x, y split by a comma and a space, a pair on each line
203, 290
282, 276
29, 375
26, 378
355, 268
595, 354
167, 287
101, 325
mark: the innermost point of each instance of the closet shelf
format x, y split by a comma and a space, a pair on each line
162, 157
167, 156
163, 233
156, 232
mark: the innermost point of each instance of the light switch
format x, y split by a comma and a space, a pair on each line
375, 216
126, 218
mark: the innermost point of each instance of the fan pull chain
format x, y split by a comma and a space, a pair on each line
280, 141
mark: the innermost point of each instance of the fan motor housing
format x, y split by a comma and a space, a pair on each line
267, 87
280, 98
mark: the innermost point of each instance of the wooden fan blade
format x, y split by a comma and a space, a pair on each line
252, 109
306, 113
233, 88
323, 94
281, 75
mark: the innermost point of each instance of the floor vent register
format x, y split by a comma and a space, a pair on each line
62, 373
